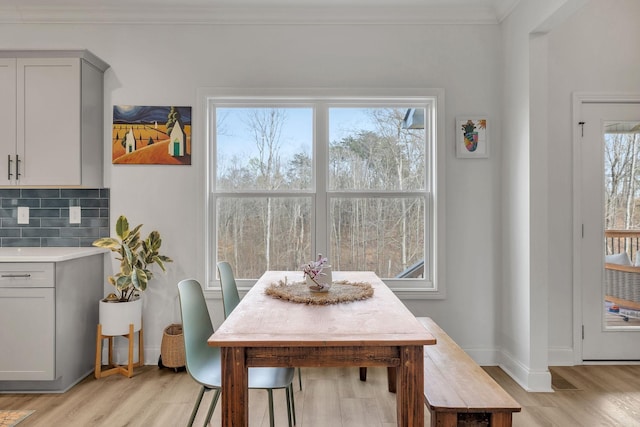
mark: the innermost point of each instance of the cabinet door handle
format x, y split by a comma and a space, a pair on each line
17, 167
9, 167
27, 275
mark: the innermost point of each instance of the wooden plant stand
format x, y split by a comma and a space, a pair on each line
118, 369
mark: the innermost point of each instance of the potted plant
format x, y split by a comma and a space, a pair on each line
136, 257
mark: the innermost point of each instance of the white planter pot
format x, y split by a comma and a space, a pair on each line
115, 317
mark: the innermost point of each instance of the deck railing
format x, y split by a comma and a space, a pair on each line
617, 241
622, 282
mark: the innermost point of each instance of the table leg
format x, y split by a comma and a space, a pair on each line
410, 387
363, 374
235, 382
391, 379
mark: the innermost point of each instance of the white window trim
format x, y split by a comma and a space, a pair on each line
206, 259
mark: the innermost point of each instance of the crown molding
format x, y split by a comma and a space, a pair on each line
358, 15
58, 53
504, 8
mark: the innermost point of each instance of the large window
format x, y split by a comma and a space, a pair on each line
351, 178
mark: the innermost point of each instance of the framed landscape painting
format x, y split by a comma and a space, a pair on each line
151, 135
471, 137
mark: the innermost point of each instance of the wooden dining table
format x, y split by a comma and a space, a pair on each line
267, 331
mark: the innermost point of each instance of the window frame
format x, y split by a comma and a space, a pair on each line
211, 98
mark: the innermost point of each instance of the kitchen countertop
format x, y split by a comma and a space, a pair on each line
46, 254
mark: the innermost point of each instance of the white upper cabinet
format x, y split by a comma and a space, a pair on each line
52, 118
7, 116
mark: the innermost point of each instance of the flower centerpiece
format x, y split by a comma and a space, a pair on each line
318, 274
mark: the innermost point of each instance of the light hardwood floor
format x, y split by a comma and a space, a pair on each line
590, 396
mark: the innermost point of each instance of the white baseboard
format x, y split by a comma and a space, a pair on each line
121, 354
483, 356
534, 381
530, 380
561, 356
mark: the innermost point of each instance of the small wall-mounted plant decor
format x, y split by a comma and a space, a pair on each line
151, 135
471, 137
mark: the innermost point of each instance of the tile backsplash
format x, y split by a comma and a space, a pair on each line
49, 216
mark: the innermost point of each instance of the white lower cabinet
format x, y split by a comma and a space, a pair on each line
27, 334
48, 318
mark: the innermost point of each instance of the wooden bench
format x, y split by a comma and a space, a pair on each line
457, 390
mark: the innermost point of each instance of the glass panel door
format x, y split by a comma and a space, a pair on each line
610, 210
622, 223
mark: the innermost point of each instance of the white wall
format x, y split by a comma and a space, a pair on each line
526, 239
596, 50
551, 49
166, 64
516, 326
509, 241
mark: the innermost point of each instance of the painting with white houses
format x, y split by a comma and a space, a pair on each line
151, 135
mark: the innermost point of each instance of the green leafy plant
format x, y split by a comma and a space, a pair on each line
136, 256
468, 127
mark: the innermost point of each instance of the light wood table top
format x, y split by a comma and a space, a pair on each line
266, 331
261, 319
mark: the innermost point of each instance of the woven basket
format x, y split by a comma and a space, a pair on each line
622, 284
172, 347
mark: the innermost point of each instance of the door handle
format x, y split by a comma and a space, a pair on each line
17, 167
9, 174
27, 275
